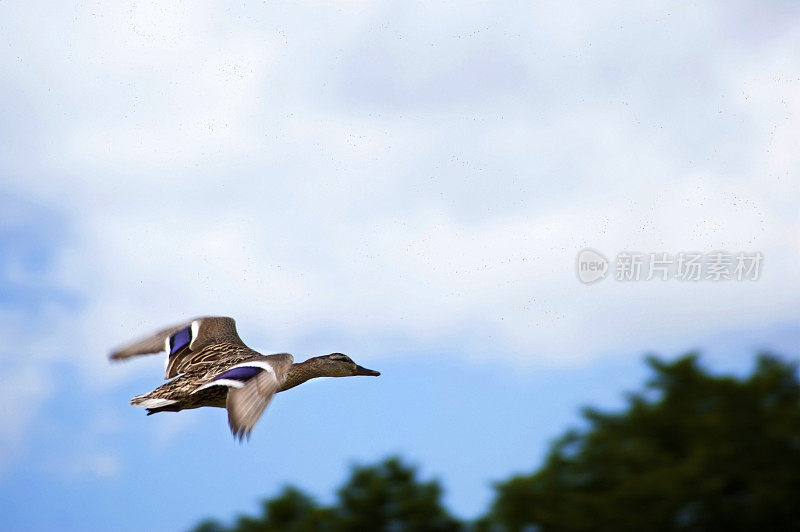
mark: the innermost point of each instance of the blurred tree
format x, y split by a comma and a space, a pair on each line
691, 452
209, 525
384, 497
389, 497
290, 511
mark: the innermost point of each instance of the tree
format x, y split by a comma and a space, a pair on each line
389, 497
290, 511
691, 452
383, 497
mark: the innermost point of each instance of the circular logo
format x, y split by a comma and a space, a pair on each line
592, 266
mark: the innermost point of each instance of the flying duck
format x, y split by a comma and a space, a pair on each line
209, 365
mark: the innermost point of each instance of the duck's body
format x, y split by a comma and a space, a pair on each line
210, 366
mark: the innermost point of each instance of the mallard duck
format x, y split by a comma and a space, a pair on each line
209, 365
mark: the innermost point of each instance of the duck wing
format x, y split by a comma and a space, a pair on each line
188, 343
261, 378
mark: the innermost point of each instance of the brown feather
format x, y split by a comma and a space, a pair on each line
216, 336
246, 404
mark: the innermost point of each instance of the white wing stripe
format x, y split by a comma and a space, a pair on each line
266, 366
221, 382
195, 327
166, 350
155, 403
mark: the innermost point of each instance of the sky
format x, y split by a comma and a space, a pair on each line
409, 183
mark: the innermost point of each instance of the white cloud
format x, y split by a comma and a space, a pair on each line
92, 464
402, 169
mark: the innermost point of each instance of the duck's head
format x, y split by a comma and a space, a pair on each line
340, 365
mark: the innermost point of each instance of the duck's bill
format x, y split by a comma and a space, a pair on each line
368, 372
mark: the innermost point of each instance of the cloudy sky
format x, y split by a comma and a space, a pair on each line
409, 183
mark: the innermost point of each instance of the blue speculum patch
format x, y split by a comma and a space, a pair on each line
179, 340
240, 374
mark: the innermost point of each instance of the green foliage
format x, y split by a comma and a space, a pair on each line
388, 497
702, 453
691, 451
290, 511
384, 497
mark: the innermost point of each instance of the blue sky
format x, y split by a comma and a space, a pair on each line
408, 183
